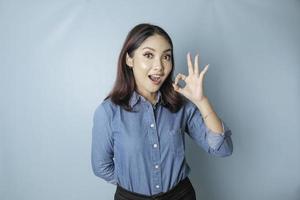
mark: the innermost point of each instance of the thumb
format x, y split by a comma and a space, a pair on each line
177, 88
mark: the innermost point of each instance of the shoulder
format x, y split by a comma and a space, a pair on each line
190, 109
188, 106
105, 107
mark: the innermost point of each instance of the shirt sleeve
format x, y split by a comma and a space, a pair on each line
213, 143
102, 146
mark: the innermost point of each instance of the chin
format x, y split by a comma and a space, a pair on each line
154, 89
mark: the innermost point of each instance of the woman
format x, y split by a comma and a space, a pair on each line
139, 129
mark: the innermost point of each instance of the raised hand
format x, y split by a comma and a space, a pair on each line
193, 89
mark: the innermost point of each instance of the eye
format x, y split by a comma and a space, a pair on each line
167, 57
148, 55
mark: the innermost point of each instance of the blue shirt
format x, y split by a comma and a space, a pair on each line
144, 152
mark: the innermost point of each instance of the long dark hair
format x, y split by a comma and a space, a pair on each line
125, 83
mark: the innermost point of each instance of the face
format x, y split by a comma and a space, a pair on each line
151, 64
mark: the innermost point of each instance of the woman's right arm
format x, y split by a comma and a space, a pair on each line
102, 146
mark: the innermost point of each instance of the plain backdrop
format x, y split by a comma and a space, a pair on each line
58, 61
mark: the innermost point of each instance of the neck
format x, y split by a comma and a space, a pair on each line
149, 96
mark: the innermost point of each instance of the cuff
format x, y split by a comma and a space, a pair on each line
215, 140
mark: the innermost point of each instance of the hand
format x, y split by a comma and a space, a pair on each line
193, 89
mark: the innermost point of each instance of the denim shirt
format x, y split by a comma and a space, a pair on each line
144, 151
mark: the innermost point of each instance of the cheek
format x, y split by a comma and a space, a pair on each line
145, 65
168, 68
142, 70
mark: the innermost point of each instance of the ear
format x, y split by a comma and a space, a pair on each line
129, 60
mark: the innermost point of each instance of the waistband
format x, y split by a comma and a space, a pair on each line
181, 188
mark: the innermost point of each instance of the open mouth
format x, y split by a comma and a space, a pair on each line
155, 79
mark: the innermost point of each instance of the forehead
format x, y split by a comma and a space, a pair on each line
156, 42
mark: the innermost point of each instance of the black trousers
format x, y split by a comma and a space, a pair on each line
182, 191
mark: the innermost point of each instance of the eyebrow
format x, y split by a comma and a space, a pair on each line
154, 49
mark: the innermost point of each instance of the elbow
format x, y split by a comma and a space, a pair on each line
103, 170
225, 150
98, 171
226, 153
221, 153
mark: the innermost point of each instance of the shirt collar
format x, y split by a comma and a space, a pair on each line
135, 97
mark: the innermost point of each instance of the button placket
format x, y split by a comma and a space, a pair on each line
155, 150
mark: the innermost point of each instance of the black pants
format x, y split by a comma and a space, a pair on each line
182, 191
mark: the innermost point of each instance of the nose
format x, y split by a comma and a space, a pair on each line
158, 64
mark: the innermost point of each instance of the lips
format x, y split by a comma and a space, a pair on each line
155, 78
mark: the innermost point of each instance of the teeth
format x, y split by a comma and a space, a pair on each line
154, 77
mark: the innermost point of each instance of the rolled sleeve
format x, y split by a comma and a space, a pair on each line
102, 146
215, 140
219, 144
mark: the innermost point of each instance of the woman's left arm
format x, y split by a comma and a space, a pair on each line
210, 117
193, 90
218, 134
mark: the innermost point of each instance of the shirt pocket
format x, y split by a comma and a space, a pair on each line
177, 142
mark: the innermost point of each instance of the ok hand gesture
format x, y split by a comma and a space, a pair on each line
193, 89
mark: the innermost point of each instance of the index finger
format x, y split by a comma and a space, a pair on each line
189, 62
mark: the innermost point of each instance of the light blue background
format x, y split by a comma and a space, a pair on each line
58, 61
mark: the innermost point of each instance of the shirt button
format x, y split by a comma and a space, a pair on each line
156, 166
155, 145
157, 186
152, 125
